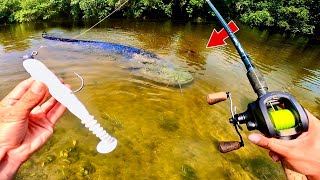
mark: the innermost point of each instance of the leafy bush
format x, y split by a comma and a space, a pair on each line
152, 8
7, 8
31, 10
296, 16
96, 8
258, 18
290, 15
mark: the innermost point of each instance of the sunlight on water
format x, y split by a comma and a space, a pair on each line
311, 81
164, 132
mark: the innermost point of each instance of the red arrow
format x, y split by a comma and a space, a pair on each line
217, 38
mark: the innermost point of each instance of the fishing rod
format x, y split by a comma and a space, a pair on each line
275, 114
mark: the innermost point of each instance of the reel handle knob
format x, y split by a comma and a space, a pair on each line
227, 146
216, 98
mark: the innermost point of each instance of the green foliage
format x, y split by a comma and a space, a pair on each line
296, 16
7, 8
151, 8
193, 6
258, 18
290, 15
75, 9
39, 9
314, 9
297, 19
96, 8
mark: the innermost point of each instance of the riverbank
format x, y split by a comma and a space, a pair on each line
296, 17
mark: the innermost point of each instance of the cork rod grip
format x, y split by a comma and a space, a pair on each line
216, 98
228, 146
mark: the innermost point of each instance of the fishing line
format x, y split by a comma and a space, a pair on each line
34, 53
102, 19
81, 34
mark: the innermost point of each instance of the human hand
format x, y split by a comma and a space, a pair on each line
26, 123
301, 154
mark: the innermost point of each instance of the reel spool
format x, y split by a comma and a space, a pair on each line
282, 119
275, 114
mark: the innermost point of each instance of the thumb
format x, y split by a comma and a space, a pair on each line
272, 144
30, 99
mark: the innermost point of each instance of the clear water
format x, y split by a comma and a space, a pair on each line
163, 132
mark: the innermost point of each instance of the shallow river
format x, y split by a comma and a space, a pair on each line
163, 132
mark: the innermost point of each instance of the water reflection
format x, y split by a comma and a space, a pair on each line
19, 37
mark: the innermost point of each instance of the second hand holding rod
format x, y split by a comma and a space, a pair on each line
275, 114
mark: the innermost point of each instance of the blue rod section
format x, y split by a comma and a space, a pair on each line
255, 77
244, 56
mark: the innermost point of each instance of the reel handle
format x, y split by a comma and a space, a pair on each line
217, 97
228, 146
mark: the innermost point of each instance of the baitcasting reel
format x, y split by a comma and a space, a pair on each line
275, 114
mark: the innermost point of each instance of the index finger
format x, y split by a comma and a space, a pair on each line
281, 147
17, 92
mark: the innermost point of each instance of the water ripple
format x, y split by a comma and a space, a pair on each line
311, 81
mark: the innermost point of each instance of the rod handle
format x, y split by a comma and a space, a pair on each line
228, 146
216, 98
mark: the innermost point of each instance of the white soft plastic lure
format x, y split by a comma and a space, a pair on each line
66, 97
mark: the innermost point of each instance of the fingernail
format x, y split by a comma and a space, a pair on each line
254, 138
37, 87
